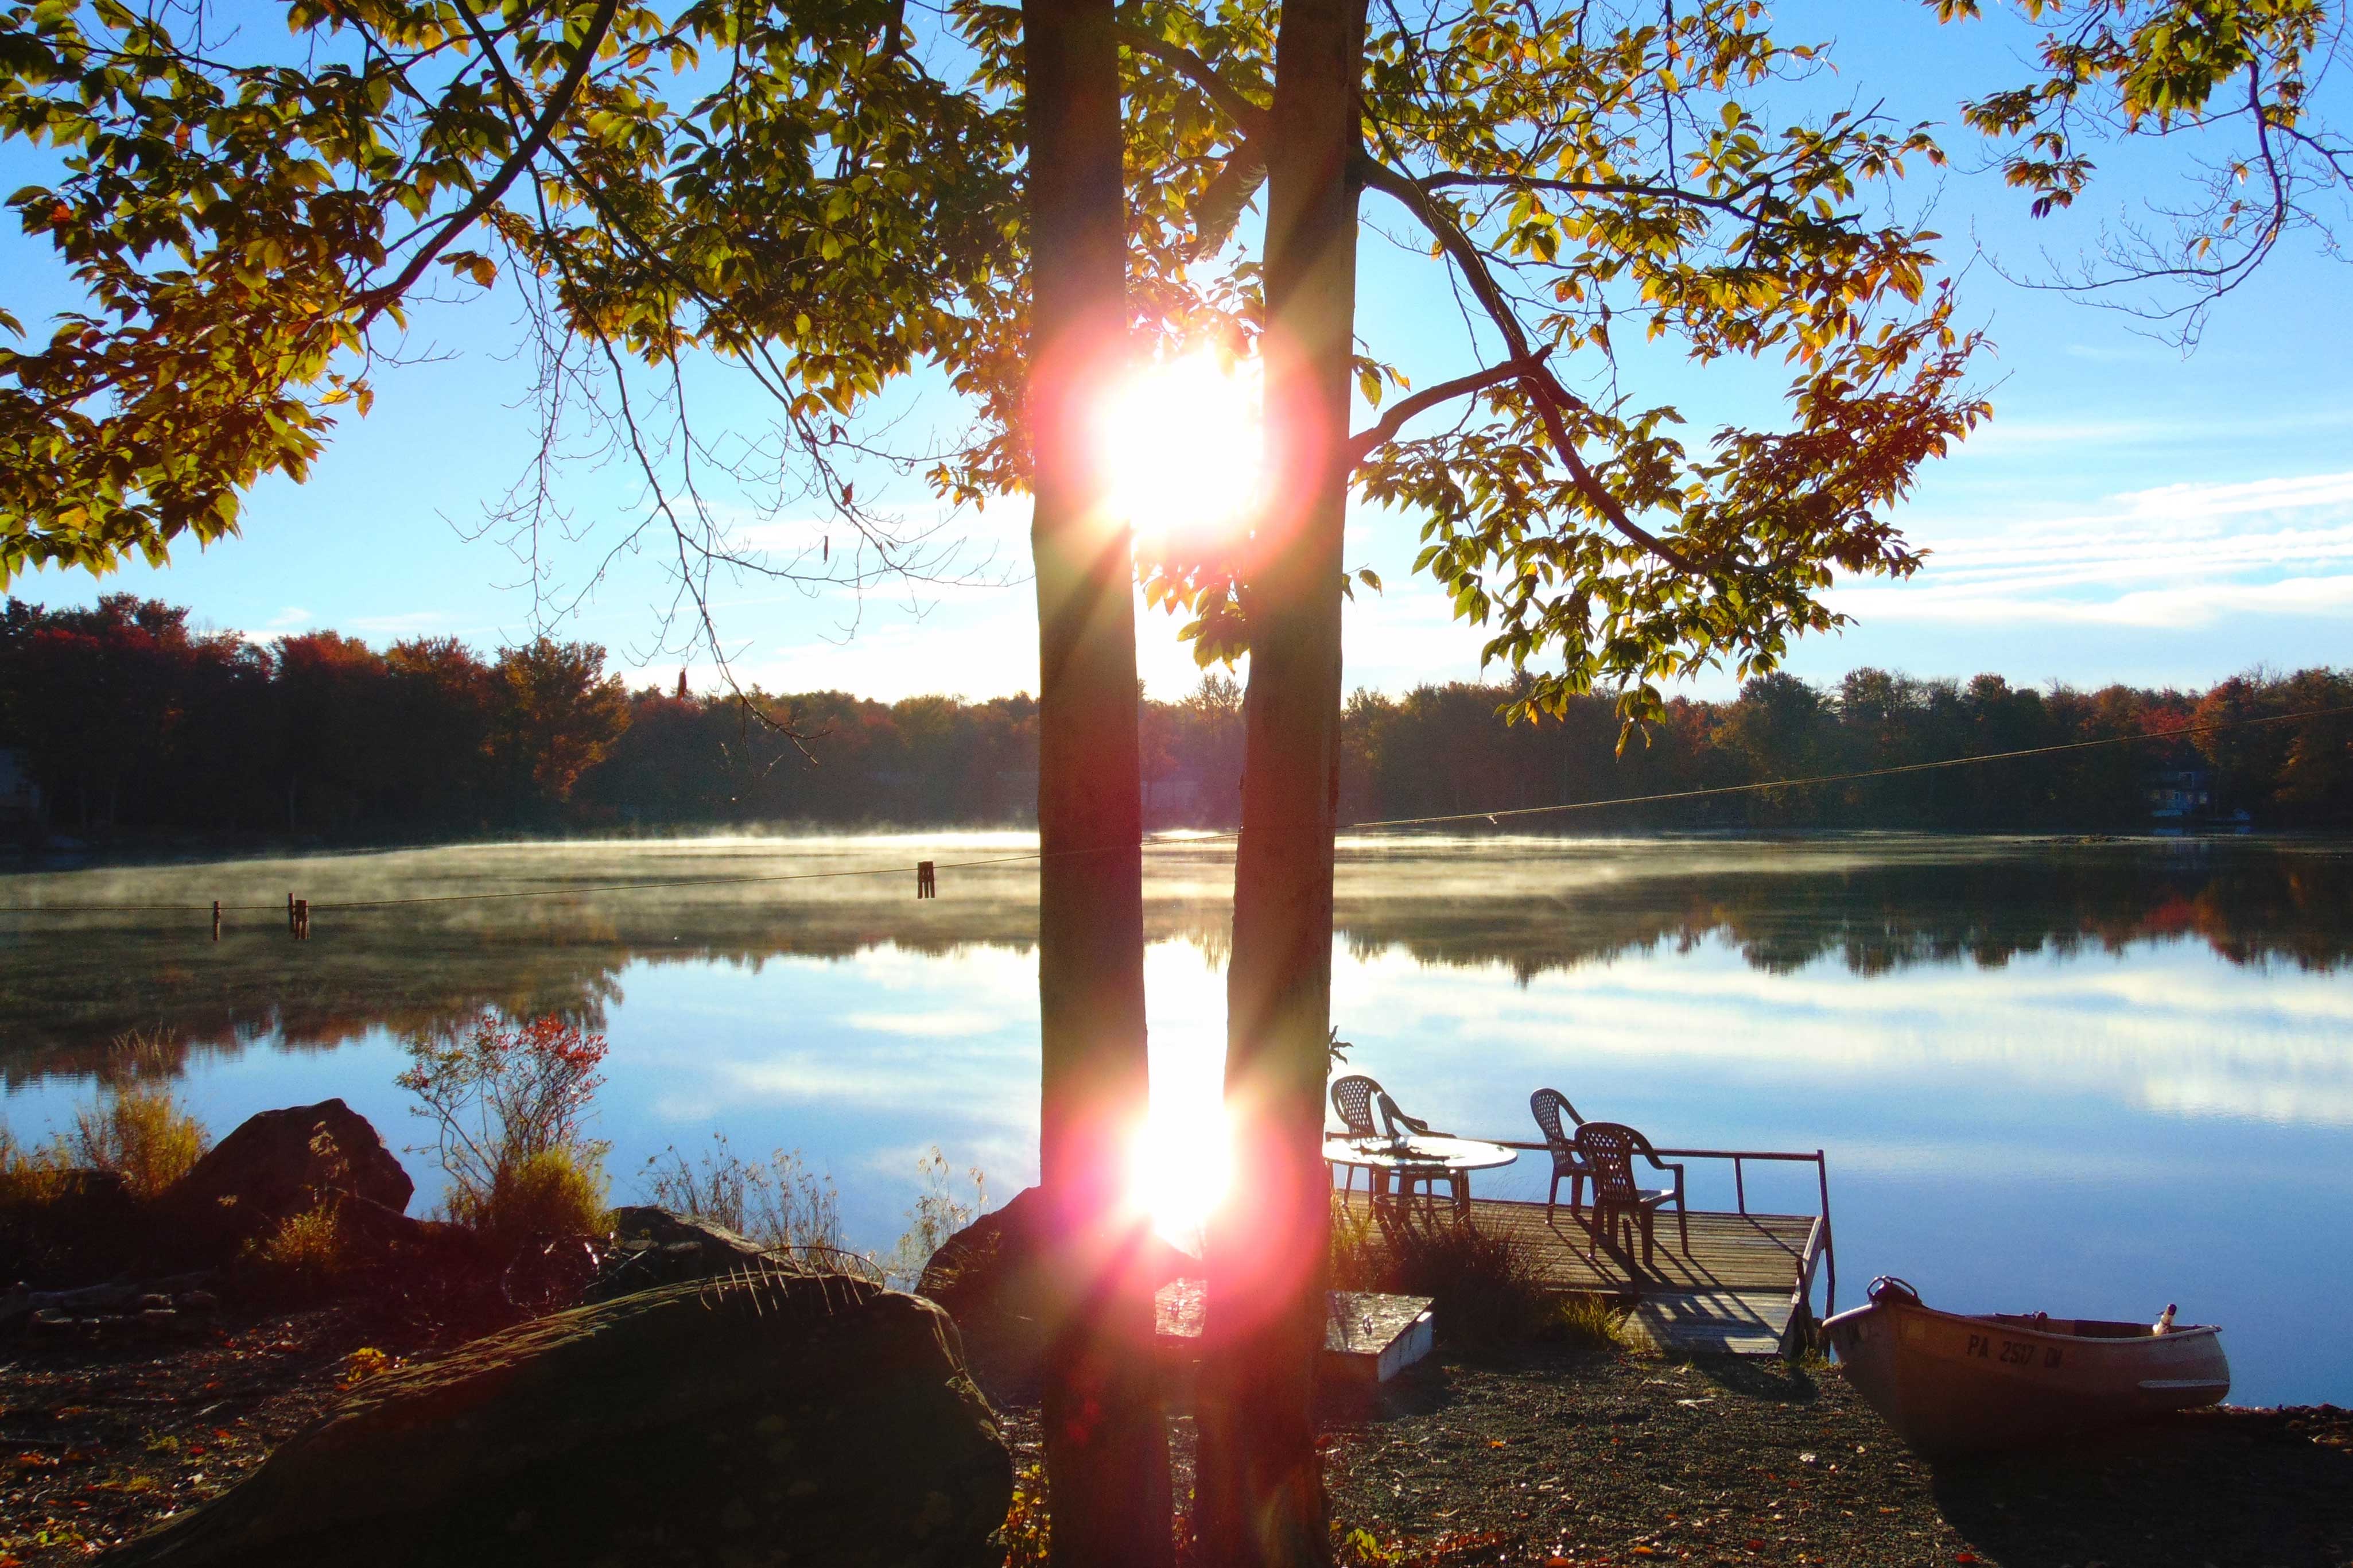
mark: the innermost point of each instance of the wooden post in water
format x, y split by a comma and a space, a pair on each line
301, 919
927, 880
216, 919
289, 915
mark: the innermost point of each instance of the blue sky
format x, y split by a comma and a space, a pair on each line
2130, 514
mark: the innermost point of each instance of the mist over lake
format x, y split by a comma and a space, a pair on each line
2092, 1077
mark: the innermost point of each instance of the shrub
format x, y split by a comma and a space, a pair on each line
940, 1210
778, 1202
142, 1131
554, 1192
502, 1096
28, 1175
308, 1245
1483, 1287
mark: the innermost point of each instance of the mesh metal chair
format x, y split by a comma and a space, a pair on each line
1619, 1204
1549, 1106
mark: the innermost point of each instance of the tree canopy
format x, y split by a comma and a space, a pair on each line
2243, 82
825, 197
1596, 178
788, 189
798, 192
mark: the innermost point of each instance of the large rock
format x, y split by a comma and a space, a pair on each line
279, 1163
991, 1276
652, 1247
787, 1419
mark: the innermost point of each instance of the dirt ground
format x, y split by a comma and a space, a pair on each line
1560, 1456
101, 1439
1553, 1454
1590, 1457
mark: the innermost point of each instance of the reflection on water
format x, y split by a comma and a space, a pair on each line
2095, 1076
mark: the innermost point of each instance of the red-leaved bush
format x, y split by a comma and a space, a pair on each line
509, 1102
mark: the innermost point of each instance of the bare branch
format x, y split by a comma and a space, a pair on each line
1552, 400
1364, 443
1723, 203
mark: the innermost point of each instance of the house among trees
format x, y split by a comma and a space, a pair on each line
20, 796
2177, 792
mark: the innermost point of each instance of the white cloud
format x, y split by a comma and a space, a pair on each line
2178, 555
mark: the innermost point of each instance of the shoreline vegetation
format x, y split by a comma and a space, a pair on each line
1542, 1432
141, 729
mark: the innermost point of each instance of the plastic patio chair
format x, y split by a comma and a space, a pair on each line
1356, 1098
1352, 1097
1619, 1204
1549, 1106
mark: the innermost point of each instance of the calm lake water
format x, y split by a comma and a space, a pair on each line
2087, 1077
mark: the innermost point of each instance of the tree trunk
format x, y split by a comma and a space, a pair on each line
1261, 1493
1106, 1448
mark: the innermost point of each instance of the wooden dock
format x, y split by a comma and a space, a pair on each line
1744, 1287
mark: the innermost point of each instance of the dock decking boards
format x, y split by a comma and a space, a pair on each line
1735, 1291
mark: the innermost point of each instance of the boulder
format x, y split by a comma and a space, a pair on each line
279, 1163
378, 1236
990, 1275
653, 1246
767, 1418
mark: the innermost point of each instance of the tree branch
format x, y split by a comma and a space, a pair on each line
559, 102
1250, 117
1552, 400
1364, 443
1727, 204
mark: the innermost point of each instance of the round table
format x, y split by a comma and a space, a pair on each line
1423, 1159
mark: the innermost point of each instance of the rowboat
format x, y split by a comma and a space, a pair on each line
1955, 1384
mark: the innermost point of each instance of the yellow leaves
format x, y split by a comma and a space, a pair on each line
365, 1363
472, 264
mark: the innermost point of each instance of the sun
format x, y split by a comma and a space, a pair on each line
1178, 1172
1182, 444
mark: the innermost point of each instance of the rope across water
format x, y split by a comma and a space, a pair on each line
1391, 824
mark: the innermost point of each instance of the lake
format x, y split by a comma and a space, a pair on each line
2086, 1076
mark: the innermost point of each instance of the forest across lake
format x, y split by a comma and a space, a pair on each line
136, 727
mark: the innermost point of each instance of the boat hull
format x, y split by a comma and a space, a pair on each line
1955, 1384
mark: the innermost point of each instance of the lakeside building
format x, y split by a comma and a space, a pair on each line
20, 796
2178, 792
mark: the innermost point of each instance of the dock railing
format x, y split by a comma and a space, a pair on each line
1819, 1247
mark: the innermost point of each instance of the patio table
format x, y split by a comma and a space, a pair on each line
1423, 1159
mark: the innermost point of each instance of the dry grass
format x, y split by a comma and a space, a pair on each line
140, 1131
778, 1202
554, 1192
137, 1127
310, 1246
29, 1175
1483, 1287
1594, 1321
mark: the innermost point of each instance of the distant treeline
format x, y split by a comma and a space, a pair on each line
130, 721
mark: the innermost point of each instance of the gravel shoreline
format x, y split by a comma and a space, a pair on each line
1593, 1457
1553, 1454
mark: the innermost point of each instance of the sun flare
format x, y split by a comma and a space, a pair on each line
1179, 1170
1182, 444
